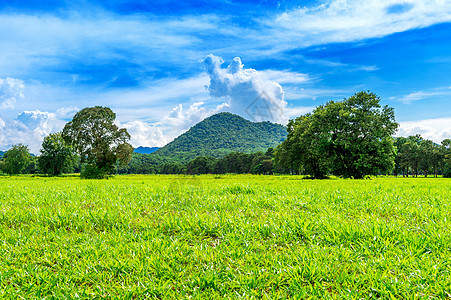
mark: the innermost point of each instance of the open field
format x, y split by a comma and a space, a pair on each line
170, 237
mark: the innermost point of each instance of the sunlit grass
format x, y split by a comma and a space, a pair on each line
224, 237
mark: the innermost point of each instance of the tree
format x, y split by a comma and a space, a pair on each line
57, 156
305, 148
201, 165
446, 162
16, 159
99, 142
401, 165
349, 138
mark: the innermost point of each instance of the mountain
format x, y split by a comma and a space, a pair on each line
221, 134
146, 150
1, 153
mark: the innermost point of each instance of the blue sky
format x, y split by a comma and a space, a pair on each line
163, 66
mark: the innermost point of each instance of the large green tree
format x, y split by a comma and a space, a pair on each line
16, 159
57, 156
98, 141
305, 149
349, 138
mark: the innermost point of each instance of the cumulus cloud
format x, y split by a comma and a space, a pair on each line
11, 89
30, 128
246, 92
351, 20
145, 134
433, 129
180, 119
176, 122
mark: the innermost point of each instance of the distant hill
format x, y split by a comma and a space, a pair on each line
221, 134
1, 153
146, 150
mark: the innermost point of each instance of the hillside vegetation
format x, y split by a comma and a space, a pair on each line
221, 134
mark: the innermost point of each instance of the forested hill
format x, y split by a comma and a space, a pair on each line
1, 154
221, 134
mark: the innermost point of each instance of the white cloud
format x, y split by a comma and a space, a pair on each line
284, 76
42, 42
432, 129
415, 96
30, 128
159, 91
41, 123
421, 95
351, 20
176, 122
11, 89
181, 120
245, 91
67, 112
144, 134
294, 112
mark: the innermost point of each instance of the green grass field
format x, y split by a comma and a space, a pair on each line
175, 237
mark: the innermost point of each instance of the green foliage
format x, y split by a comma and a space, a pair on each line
350, 138
225, 237
446, 162
447, 172
221, 134
201, 165
98, 141
145, 164
171, 168
57, 156
32, 167
415, 155
233, 163
306, 147
16, 160
92, 171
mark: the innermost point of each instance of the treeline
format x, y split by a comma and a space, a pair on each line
235, 162
417, 156
414, 156
19, 160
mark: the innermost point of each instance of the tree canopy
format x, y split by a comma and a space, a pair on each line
415, 155
16, 159
98, 141
349, 138
57, 156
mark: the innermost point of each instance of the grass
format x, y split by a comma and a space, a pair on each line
240, 236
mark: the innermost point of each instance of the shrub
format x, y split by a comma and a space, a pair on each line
91, 171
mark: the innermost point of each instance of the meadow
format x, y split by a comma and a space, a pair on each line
228, 236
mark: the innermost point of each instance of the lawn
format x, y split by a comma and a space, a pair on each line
234, 236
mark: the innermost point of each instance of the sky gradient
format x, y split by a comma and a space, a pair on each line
163, 66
